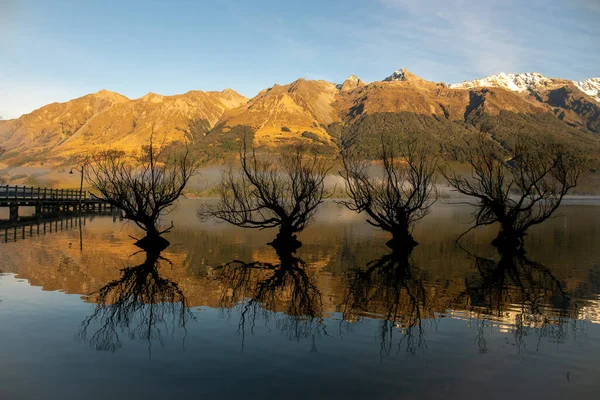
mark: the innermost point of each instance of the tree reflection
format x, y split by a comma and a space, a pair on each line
141, 304
392, 288
519, 295
285, 292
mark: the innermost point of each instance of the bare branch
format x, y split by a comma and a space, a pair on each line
143, 186
519, 191
268, 194
402, 195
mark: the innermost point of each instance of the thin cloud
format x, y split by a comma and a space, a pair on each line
472, 30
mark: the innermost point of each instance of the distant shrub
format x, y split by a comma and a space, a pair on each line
312, 136
285, 129
198, 128
334, 130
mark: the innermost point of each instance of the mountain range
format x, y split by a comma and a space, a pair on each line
312, 111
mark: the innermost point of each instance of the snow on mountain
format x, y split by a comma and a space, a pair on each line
396, 76
527, 82
514, 82
590, 87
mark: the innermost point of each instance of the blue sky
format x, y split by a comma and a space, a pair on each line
58, 50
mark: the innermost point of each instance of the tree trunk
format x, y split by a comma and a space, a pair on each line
401, 239
286, 240
509, 238
152, 240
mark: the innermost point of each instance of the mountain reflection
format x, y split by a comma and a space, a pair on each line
342, 274
286, 292
519, 296
141, 304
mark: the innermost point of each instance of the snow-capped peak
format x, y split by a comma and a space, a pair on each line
514, 82
529, 81
396, 76
590, 87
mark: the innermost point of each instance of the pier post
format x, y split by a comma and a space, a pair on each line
14, 212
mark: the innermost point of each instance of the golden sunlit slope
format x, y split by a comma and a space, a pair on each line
51, 125
305, 110
285, 112
127, 126
408, 93
106, 119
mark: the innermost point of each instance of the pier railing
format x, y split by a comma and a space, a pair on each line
38, 193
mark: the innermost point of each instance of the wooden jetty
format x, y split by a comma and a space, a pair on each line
49, 201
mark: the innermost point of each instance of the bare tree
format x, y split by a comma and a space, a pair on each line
519, 191
266, 193
144, 186
401, 196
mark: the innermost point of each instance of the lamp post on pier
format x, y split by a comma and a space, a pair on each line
81, 171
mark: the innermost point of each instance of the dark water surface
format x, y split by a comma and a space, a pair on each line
84, 314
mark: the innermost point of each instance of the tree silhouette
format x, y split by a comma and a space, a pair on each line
516, 191
398, 199
144, 186
280, 194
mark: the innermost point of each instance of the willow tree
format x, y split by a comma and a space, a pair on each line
276, 192
144, 185
395, 192
516, 190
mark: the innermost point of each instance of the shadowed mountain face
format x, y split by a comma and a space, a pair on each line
316, 112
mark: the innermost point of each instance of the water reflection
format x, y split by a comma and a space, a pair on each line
339, 274
141, 304
286, 292
392, 289
519, 296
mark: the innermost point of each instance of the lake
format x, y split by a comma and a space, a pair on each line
219, 314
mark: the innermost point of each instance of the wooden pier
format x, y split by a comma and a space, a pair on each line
49, 201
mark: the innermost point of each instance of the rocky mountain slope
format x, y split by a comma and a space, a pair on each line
318, 112
106, 119
531, 82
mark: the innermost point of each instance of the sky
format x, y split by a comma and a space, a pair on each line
58, 50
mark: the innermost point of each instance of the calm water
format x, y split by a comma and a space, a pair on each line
84, 314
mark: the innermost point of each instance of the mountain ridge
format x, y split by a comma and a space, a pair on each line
304, 111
